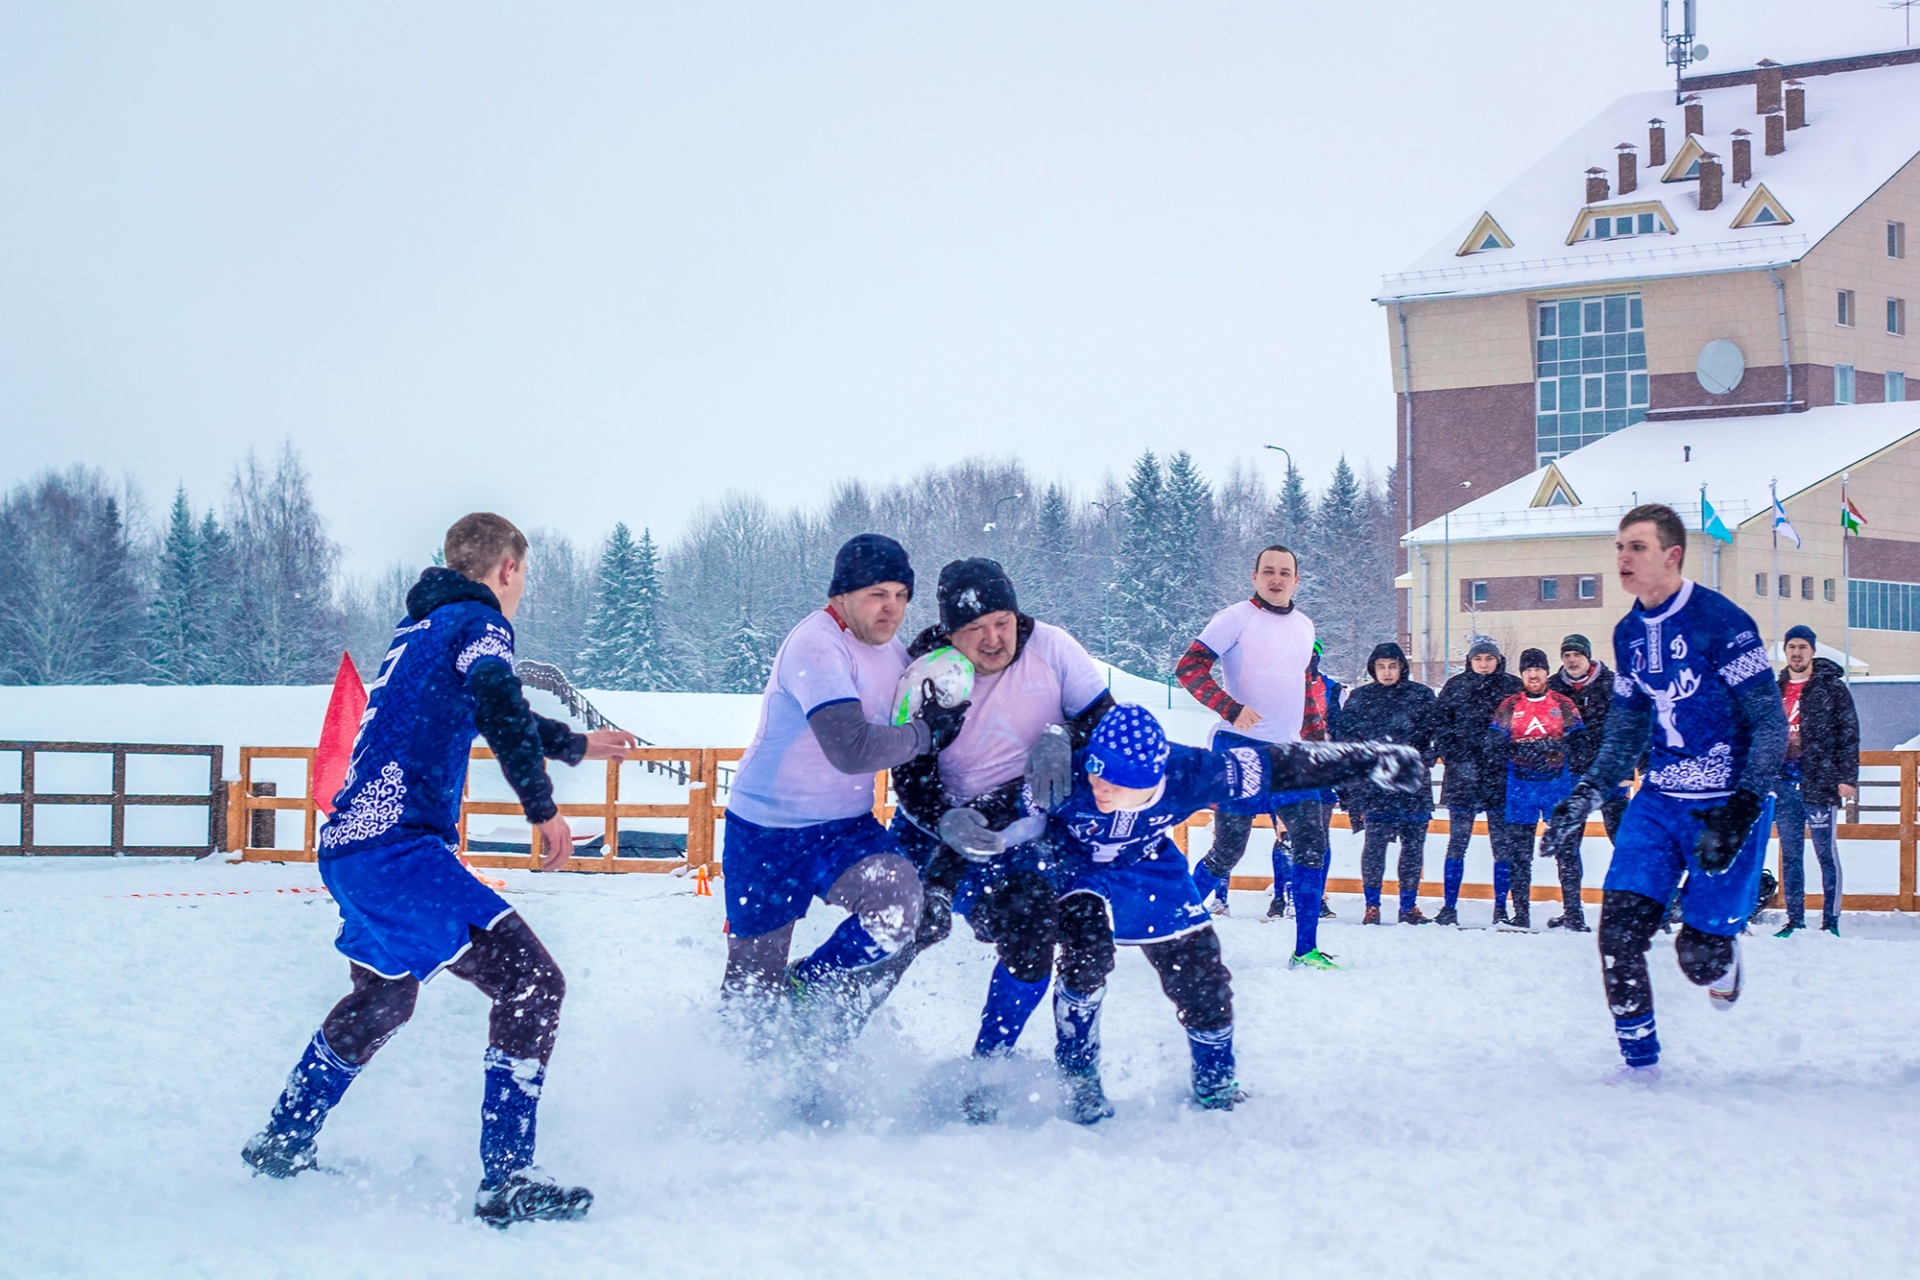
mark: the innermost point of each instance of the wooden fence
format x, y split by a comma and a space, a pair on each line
116, 798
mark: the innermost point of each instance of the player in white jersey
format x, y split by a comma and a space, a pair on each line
1263, 647
800, 821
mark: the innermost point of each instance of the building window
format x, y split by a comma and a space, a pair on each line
1632, 224
1785, 588
1843, 384
1826, 589
1896, 239
1590, 366
1549, 588
1760, 584
1843, 312
1896, 315
1806, 588
1896, 386
1477, 593
1589, 587
1883, 606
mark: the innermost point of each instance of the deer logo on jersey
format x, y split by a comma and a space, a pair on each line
1686, 683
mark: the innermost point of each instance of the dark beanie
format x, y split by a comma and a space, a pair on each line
1801, 631
971, 589
1483, 645
1531, 658
1577, 643
869, 558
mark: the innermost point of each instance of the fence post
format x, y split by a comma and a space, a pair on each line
610, 841
700, 791
1909, 827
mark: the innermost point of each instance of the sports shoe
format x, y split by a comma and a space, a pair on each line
1225, 1098
1413, 915
1627, 1073
1447, 916
1276, 908
1725, 989
1790, 930
1326, 912
528, 1195
1217, 905
1371, 915
1833, 928
1499, 915
277, 1155
1086, 1100
1515, 924
1571, 923
1314, 959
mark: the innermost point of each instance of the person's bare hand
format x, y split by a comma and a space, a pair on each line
1848, 791
1247, 718
609, 744
556, 843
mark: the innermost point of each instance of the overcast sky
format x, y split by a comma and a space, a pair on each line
589, 262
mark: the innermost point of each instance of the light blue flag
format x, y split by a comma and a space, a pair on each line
1710, 522
1781, 524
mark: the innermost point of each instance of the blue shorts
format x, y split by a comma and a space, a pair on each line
407, 908
1654, 848
1151, 900
1530, 801
1041, 856
773, 874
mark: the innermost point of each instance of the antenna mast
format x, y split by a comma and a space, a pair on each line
1682, 52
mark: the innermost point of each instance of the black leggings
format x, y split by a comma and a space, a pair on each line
507, 962
1020, 916
1628, 922
1191, 970
1305, 831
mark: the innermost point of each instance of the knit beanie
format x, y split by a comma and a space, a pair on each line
1481, 646
1801, 631
1531, 658
971, 589
1128, 749
869, 558
1577, 643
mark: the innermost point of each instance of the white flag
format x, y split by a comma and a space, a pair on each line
1782, 525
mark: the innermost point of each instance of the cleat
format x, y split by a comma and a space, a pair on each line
1225, 1098
1447, 916
1627, 1073
1314, 959
1518, 924
1326, 912
1086, 1100
1725, 989
528, 1195
1371, 915
1790, 930
1276, 909
1500, 916
1217, 905
1571, 923
278, 1156
1833, 928
1413, 915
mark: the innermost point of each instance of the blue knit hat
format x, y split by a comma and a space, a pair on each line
1128, 749
1801, 632
869, 558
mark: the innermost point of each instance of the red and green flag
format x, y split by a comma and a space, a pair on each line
1850, 517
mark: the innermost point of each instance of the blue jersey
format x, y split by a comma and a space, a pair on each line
409, 766
1685, 665
1195, 780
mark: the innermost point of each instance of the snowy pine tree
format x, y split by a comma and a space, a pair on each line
1335, 585
179, 624
1048, 591
1194, 552
650, 667
70, 606
1145, 591
746, 658
610, 651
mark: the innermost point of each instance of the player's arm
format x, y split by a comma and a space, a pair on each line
521, 741
1766, 718
1195, 674
1309, 766
854, 744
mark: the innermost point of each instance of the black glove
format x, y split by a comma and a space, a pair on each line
943, 722
1304, 766
1398, 768
966, 832
1724, 829
1050, 768
1568, 822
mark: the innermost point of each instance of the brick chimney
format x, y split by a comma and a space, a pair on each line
1742, 157
1629, 176
1696, 114
1776, 133
1766, 87
1656, 143
1596, 186
1710, 175
1796, 105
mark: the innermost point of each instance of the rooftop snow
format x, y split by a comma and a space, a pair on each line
1862, 126
1735, 458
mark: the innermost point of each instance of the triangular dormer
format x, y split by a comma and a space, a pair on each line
1762, 209
1486, 234
1554, 491
1685, 165
1613, 221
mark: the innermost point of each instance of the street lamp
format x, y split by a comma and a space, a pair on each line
994, 522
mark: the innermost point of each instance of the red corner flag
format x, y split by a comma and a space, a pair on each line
344, 709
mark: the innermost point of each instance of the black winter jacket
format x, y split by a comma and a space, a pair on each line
1476, 764
1593, 698
1829, 735
1402, 712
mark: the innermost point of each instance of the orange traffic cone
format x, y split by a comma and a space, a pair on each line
702, 882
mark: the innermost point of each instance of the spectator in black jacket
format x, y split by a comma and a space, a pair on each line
1475, 778
1822, 769
1392, 708
1589, 683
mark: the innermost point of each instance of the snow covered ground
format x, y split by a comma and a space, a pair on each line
1431, 1111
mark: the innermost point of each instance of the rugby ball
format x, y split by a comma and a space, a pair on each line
952, 676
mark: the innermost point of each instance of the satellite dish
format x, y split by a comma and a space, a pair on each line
1699, 53
1720, 367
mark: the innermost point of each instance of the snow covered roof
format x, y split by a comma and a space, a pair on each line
1648, 462
1862, 126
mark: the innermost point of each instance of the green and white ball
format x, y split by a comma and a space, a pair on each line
952, 676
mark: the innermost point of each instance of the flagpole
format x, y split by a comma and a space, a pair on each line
1773, 559
1846, 591
1711, 540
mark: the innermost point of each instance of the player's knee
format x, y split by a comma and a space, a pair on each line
1230, 834
368, 1017
1196, 979
890, 902
1025, 926
1086, 943
1703, 956
1628, 921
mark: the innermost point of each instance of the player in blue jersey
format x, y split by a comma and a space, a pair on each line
1694, 690
408, 906
1131, 885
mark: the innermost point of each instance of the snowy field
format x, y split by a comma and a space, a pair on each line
1431, 1111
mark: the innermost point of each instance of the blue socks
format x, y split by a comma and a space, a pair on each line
1638, 1043
1308, 884
1010, 1002
317, 1083
1204, 880
1502, 883
1212, 1061
1282, 867
849, 947
1456, 871
1372, 892
507, 1115
1076, 1020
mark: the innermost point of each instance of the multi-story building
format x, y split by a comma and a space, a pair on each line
1737, 255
